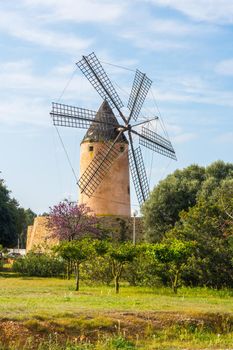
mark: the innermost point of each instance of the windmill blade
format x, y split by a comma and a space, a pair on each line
94, 72
155, 142
70, 116
140, 88
99, 167
138, 173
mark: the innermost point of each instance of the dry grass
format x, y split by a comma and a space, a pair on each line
35, 308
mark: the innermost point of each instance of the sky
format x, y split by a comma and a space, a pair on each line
184, 46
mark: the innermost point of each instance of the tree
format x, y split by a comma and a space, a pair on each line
219, 170
24, 219
120, 255
226, 197
207, 224
8, 215
76, 252
177, 192
144, 269
13, 219
181, 191
173, 256
69, 221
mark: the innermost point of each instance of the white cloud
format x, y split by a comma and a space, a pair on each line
21, 78
173, 27
24, 110
183, 137
215, 11
225, 67
103, 11
156, 34
192, 89
24, 28
27, 95
150, 42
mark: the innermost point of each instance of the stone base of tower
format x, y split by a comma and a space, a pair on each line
38, 235
119, 228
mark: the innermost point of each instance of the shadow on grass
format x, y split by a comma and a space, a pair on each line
5, 273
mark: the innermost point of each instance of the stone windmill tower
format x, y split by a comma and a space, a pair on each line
112, 196
108, 150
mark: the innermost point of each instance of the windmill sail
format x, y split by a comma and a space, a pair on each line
157, 143
98, 168
140, 88
138, 173
94, 72
75, 117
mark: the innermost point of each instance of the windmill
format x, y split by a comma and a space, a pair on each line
108, 149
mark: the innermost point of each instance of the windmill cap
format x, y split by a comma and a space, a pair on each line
106, 129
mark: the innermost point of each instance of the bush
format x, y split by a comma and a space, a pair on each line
41, 265
97, 270
143, 271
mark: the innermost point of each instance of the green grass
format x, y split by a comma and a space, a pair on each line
197, 318
24, 297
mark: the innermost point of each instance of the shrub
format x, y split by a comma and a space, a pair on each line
41, 265
97, 270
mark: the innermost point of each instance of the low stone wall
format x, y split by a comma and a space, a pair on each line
38, 234
119, 228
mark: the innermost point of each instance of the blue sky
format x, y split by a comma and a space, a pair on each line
184, 46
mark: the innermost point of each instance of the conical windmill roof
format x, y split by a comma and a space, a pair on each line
103, 131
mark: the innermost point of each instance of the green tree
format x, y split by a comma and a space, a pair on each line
1, 256
226, 197
144, 269
207, 224
8, 217
181, 191
219, 170
177, 192
13, 219
75, 252
24, 219
173, 256
119, 255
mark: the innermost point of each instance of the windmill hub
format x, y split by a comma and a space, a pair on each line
122, 128
105, 157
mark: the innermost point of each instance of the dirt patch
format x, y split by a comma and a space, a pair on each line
91, 326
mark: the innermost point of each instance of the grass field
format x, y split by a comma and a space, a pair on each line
51, 313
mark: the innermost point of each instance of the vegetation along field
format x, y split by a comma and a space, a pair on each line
51, 313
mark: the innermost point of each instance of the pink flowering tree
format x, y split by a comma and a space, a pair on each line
69, 221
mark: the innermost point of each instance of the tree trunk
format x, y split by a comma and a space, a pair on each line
77, 277
68, 270
175, 282
117, 286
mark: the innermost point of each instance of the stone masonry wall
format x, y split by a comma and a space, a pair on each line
117, 227
39, 234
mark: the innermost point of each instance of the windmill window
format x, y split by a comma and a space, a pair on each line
91, 148
122, 148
